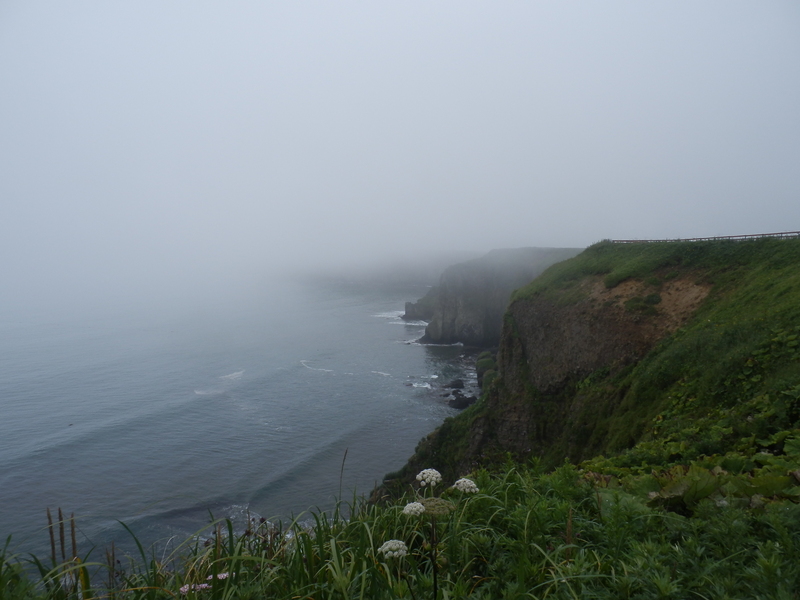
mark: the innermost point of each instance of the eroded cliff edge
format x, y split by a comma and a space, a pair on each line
551, 346
597, 350
468, 304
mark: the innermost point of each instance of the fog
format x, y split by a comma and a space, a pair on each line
159, 151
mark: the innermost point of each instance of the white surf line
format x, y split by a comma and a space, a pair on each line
303, 362
236, 375
394, 314
381, 373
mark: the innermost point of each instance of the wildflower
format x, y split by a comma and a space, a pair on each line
196, 587
429, 477
437, 507
414, 509
219, 576
466, 485
393, 549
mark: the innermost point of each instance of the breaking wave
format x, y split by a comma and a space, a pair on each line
392, 314
236, 375
303, 362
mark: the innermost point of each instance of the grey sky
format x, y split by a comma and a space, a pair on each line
155, 146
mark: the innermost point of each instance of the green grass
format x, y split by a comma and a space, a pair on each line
716, 260
526, 534
737, 347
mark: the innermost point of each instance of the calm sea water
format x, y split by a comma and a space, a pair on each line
159, 422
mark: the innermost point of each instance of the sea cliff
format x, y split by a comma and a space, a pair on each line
626, 347
468, 304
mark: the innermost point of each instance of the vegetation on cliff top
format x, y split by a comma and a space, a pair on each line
716, 261
735, 363
725, 381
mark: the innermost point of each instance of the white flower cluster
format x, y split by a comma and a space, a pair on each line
429, 477
466, 485
414, 509
393, 549
195, 587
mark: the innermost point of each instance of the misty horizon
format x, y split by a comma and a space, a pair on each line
161, 153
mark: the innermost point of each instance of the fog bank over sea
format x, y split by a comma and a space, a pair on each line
157, 420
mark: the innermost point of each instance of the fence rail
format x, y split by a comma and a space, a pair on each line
752, 236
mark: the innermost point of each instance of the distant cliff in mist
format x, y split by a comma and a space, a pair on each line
468, 304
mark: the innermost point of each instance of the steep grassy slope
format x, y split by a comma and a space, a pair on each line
656, 354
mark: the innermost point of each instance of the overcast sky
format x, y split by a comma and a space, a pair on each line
153, 145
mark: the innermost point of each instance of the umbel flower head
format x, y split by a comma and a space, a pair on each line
437, 507
414, 509
393, 549
466, 485
429, 477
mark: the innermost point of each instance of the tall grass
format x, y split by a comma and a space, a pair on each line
524, 535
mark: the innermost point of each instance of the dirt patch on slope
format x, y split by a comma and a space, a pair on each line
679, 298
607, 328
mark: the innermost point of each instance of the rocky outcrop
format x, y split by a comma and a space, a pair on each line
553, 342
423, 309
549, 347
468, 304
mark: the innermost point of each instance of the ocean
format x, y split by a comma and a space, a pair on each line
160, 422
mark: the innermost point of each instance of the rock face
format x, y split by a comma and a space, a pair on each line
547, 346
550, 344
423, 309
554, 342
468, 304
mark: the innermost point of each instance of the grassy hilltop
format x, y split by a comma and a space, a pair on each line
640, 438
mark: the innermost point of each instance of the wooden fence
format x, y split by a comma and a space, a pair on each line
752, 236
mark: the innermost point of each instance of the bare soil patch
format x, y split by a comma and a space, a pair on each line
680, 298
